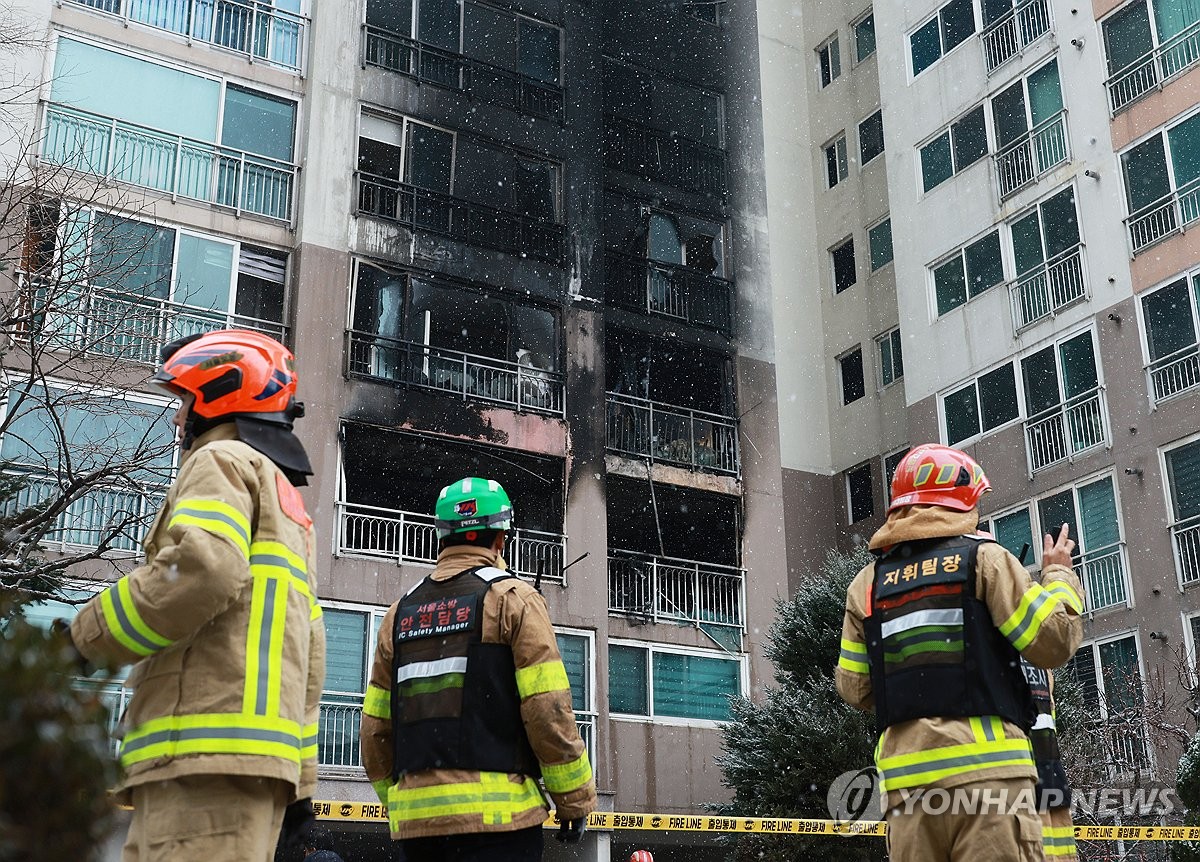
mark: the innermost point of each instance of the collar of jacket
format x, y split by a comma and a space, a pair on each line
459, 558
224, 431
910, 523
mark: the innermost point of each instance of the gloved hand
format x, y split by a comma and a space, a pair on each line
61, 629
298, 821
571, 831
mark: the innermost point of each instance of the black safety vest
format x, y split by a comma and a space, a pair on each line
931, 644
455, 703
1053, 786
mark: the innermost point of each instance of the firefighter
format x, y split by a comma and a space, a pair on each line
1053, 787
469, 703
931, 640
222, 621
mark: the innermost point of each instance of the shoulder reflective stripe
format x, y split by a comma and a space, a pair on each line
924, 767
223, 733
494, 799
378, 702
491, 573
216, 517
853, 657
1066, 594
565, 777
541, 678
457, 664
936, 617
126, 624
278, 549
1026, 621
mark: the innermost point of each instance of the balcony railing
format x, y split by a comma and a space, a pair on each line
1066, 431
658, 589
121, 514
478, 79
1186, 536
1166, 216
474, 224
1154, 69
1103, 575
664, 157
669, 290
258, 31
410, 537
1175, 373
678, 435
122, 325
474, 378
154, 159
1013, 33
1033, 154
1048, 289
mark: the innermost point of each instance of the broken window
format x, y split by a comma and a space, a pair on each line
673, 521
662, 103
670, 236
668, 371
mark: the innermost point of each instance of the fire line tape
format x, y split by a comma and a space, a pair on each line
367, 812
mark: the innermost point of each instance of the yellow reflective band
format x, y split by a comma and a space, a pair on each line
494, 799
275, 650
316, 612
541, 678
308, 743
216, 517
221, 733
565, 777
1026, 621
1058, 840
126, 624
378, 702
381, 788
924, 767
853, 657
1066, 594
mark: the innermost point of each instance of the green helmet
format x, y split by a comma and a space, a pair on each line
472, 504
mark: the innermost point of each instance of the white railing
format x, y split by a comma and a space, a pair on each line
338, 750
256, 30
154, 159
410, 537
120, 515
1164, 217
1153, 70
1175, 373
585, 723
1103, 574
665, 588
1066, 430
1033, 154
1049, 288
1186, 538
1011, 34
680, 435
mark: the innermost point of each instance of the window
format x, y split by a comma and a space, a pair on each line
708, 11
512, 42
950, 27
870, 137
851, 368
1170, 316
657, 683
1046, 233
1015, 532
1109, 673
890, 463
864, 37
836, 166
1133, 33
879, 239
829, 61
1027, 105
861, 501
985, 403
960, 146
891, 364
970, 272
1156, 169
845, 273
1059, 374
576, 652
1183, 482
667, 105
636, 228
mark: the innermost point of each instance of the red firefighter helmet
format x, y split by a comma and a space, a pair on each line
936, 475
641, 856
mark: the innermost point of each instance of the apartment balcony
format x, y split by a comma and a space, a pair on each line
472, 378
1066, 431
410, 537
1154, 70
1012, 34
1045, 291
664, 589
182, 167
479, 80
1104, 576
640, 428
119, 514
664, 157
1174, 374
1166, 216
258, 32
1032, 155
669, 290
471, 223
1185, 536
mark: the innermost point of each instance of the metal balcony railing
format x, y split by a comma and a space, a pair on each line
480, 80
663, 157
183, 167
683, 591
1033, 154
678, 435
258, 31
410, 537
474, 224
669, 290
123, 325
1185, 536
474, 378
1103, 572
1166, 216
96, 514
1066, 430
1048, 289
1014, 32
1174, 374
1155, 69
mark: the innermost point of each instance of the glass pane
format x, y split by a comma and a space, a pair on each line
1145, 168
1056, 510
897, 354
962, 415
1014, 532
862, 500
970, 139
936, 164
844, 270
1039, 373
1127, 36
131, 256
574, 651
1045, 94
887, 370
958, 23
1027, 244
534, 338
627, 691
539, 56
690, 686
258, 123
926, 46
345, 651
490, 35
1060, 224
1122, 679
378, 302
663, 239
1079, 365
1008, 111
1172, 17
1098, 511
998, 397
1183, 473
437, 23
204, 274
994, 10
950, 284
853, 386
870, 136
880, 240
1083, 668
392, 15
1169, 324
984, 267
1185, 150
260, 283
430, 154
864, 38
